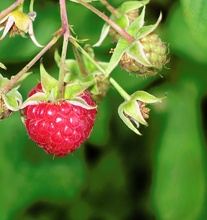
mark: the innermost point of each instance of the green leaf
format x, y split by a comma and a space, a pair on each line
181, 38
195, 13
179, 183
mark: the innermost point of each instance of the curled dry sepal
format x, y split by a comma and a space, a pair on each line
134, 111
147, 54
59, 125
19, 23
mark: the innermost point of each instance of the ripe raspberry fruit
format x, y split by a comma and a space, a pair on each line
59, 127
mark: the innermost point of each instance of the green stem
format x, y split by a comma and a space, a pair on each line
10, 8
80, 62
74, 42
65, 27
31, 6
121, 91
116, 27
18, 76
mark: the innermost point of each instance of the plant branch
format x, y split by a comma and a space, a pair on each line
110, 8
18, 76
10, 8
117, 28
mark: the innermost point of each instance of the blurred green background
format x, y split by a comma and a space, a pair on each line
116, 174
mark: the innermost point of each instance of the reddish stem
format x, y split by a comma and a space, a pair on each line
18, 76
10, 8
110, 8
117, 28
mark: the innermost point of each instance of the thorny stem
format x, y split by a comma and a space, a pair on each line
110, 8
10, 8
121, 91
120, 30
66, 37
18, 76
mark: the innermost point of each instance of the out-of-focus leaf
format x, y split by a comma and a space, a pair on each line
180, 37
196, 17
179, 186
100, 133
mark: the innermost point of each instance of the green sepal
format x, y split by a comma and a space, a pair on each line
35, 99
129, 111
73, 89
19, 82
145, 97
120, 49
78, 101
122, 114
135, 26
136, 52
131, 5
12, 100
47, 81
104, 33
3, 81
2, 66
145, 30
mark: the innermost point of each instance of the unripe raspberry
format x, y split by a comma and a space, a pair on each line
155, 52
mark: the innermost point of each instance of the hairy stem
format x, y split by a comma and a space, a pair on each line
117, 28
10, 8
66, 37
18, 76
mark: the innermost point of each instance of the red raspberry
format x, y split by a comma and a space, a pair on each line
59, 128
